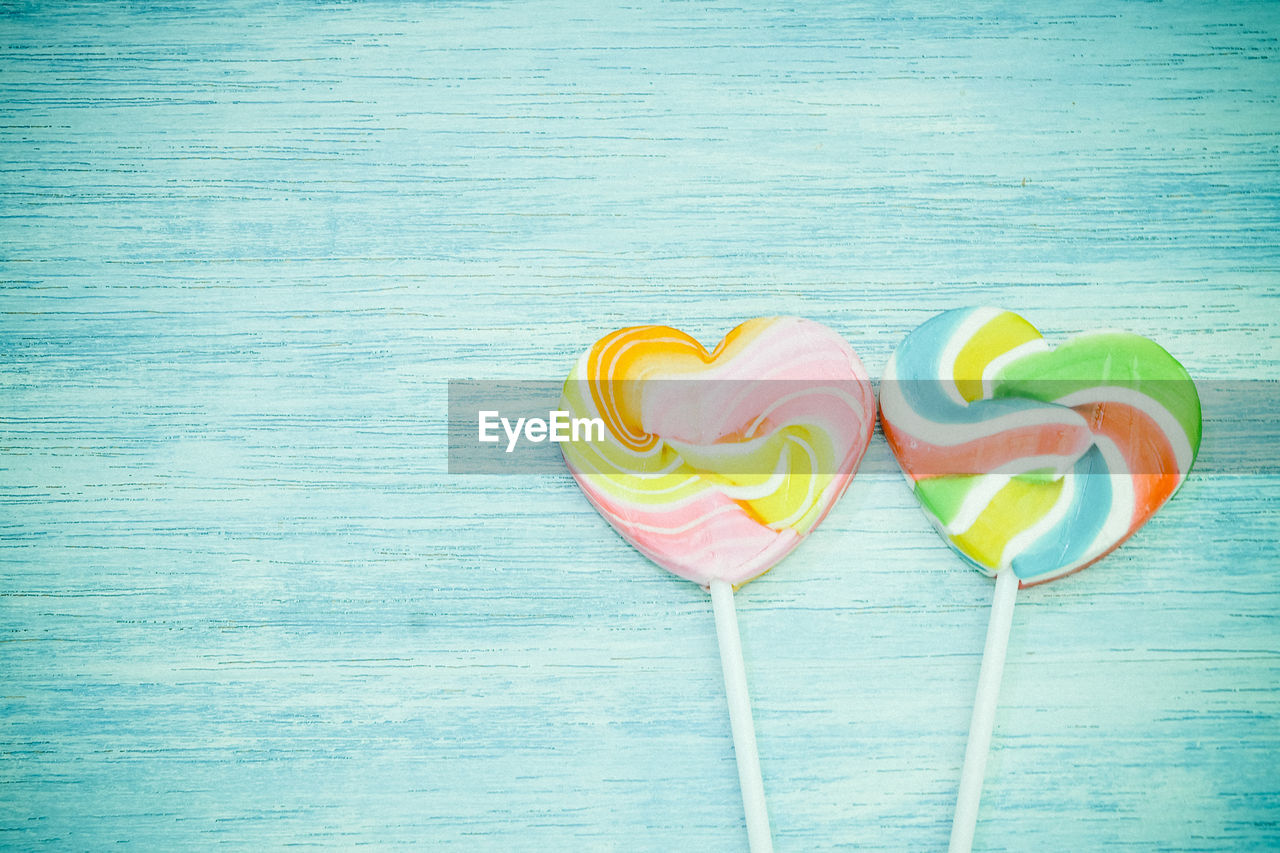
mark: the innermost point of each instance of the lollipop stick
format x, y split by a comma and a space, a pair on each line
744, 730
984, 712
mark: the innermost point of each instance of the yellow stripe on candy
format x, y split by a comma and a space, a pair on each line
999, 336
798, 504
1020, 504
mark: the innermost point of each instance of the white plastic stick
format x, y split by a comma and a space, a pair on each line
984, 712
744, 729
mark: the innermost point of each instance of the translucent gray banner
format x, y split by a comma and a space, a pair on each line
519, 426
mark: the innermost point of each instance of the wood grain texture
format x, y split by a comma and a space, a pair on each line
243, 250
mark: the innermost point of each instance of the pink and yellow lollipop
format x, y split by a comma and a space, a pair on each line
716, 464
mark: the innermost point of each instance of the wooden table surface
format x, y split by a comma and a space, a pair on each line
243, 250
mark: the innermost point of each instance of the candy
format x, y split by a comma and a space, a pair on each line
716, 464
1032, 463
1036, 460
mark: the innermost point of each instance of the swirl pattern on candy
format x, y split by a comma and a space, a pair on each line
1036, 460
719, 478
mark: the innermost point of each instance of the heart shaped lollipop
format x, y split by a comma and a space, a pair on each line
715, 465
1036, 460
1032, 463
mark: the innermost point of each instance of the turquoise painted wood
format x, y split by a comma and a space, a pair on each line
242, 251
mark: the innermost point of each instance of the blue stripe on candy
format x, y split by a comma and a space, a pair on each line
1067, 543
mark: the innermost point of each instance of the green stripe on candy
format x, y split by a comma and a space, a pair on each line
1107, 358
943, 496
